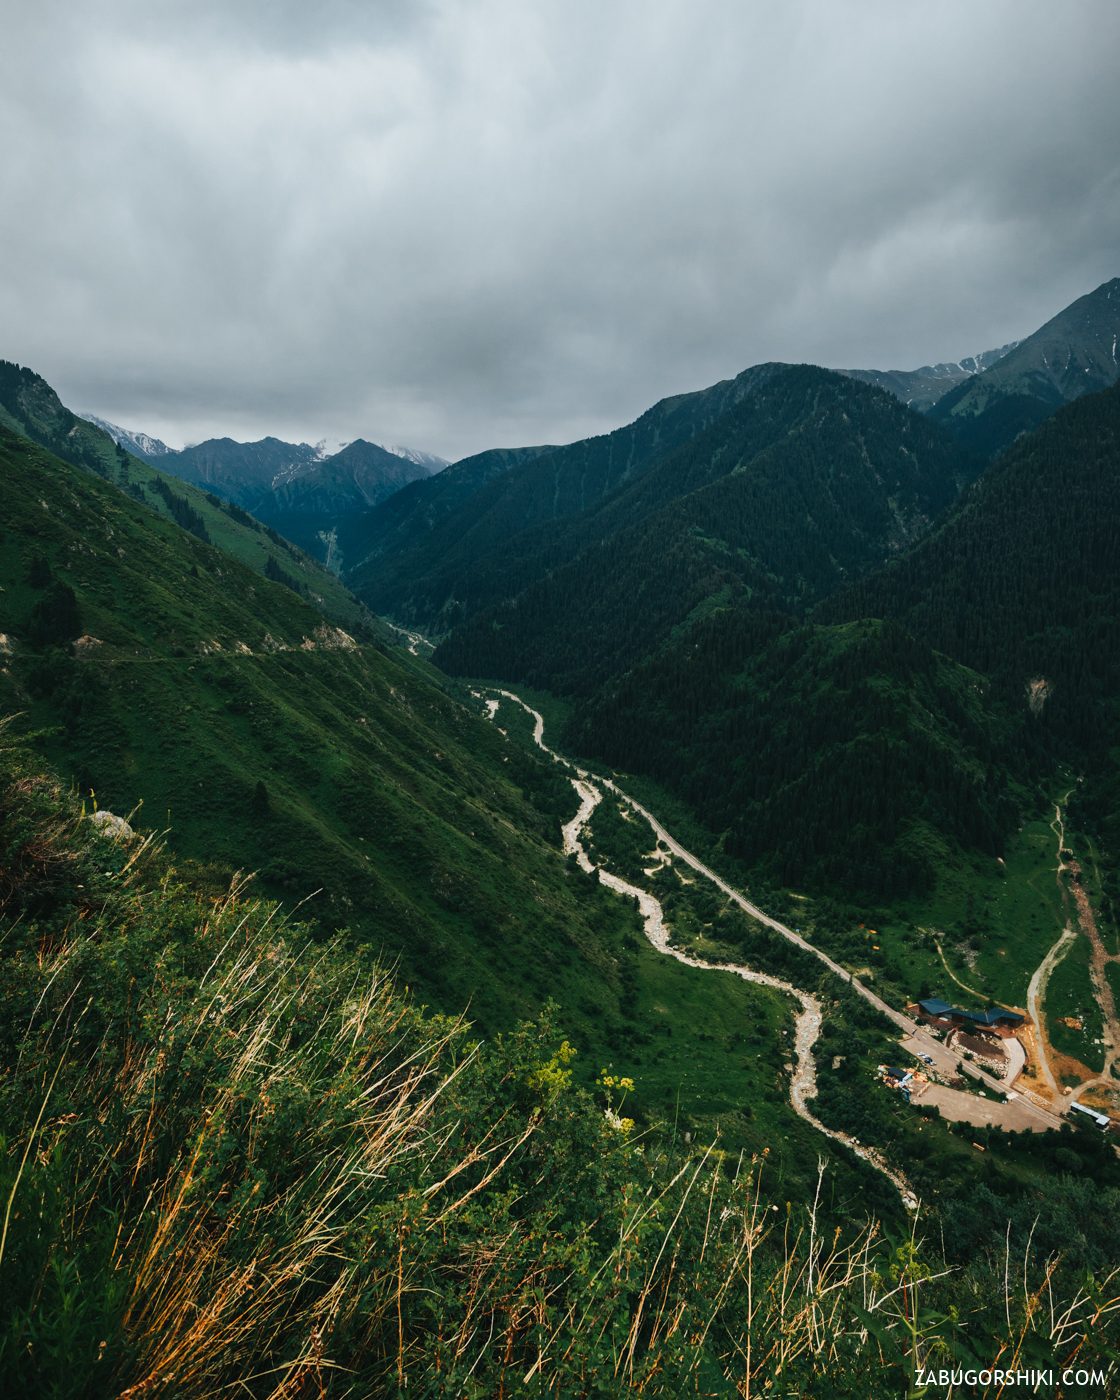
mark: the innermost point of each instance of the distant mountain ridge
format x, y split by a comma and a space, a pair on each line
241, 472
431, 460
922, 388
1073, 354
304, 492
260, 477
142, 445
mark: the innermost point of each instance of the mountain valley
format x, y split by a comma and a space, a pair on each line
746, 728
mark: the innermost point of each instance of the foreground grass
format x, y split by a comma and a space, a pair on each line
235, 1162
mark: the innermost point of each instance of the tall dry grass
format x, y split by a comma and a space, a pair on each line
238, 1163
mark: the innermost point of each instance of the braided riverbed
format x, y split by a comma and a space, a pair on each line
803, 1082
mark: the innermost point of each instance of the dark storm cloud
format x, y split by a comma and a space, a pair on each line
459, 224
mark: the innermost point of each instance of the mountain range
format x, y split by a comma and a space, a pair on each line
304, 492
922, 388
641, 572
1073, 354
470, 538
861, 658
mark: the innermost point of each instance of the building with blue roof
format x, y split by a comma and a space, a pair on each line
996, 1018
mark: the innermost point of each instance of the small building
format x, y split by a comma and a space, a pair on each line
996, 1020
1102, 1120
934, 1009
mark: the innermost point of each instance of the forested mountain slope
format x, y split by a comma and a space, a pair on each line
1022, 580
1073, 354
811, 481
857, 753
847, 759
31, 408
383, 540
442, 567
437, 575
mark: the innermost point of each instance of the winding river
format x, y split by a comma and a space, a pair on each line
803, 1082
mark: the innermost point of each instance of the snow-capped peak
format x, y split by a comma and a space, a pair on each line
327, 447
413, 454
141, 443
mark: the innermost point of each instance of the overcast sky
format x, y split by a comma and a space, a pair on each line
471, 223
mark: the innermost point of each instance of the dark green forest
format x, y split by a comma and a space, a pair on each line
837, 725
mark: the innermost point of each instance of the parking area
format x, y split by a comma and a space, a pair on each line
961, 1107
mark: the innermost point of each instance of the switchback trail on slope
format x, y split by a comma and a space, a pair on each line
803, 1082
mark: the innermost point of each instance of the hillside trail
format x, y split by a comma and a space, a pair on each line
807, 1026
950, 973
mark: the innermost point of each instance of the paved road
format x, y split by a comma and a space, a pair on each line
807, 1028
918, 1039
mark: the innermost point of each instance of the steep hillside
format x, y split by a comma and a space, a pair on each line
381, 544
235, 1162
861, 757
155, 670
810, 482
1022, 580
1073, 354
433, 576
848, 758
31, 408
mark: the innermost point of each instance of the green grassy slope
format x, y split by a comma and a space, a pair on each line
31, 408
263, 739
236, 1164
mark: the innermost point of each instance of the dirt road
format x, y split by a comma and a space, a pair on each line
1036, 998
916, 1035
803, 1082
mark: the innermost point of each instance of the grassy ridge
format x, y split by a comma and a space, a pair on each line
347, 777
30, 408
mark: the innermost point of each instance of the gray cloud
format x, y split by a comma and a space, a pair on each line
472, 222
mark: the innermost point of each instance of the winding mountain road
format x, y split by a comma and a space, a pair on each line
1023, 1113
1036, 998
803, 1082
